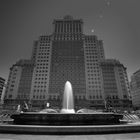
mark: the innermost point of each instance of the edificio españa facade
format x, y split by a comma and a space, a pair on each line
65, 55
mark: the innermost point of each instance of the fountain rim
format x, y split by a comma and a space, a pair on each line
94, 129
67, 113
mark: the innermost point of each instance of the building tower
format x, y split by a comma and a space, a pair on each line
94, 53
41, 55
67, 60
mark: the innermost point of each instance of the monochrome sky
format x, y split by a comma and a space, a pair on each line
116, 22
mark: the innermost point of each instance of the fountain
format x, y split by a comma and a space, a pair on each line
68, 105
69, 121
67, 115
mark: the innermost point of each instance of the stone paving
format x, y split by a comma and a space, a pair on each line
127, 136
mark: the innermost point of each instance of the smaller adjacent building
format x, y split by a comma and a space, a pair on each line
2, 83
135, 89
115, 83
19, 82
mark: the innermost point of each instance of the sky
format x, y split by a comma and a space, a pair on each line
116, 22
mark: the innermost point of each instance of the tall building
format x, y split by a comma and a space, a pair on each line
67, 59
65, 55
2, 83
135, 89
115, 83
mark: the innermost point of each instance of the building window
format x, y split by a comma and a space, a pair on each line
125, 96
10, 96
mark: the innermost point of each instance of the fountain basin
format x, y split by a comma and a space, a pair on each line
35, 118
66, 130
